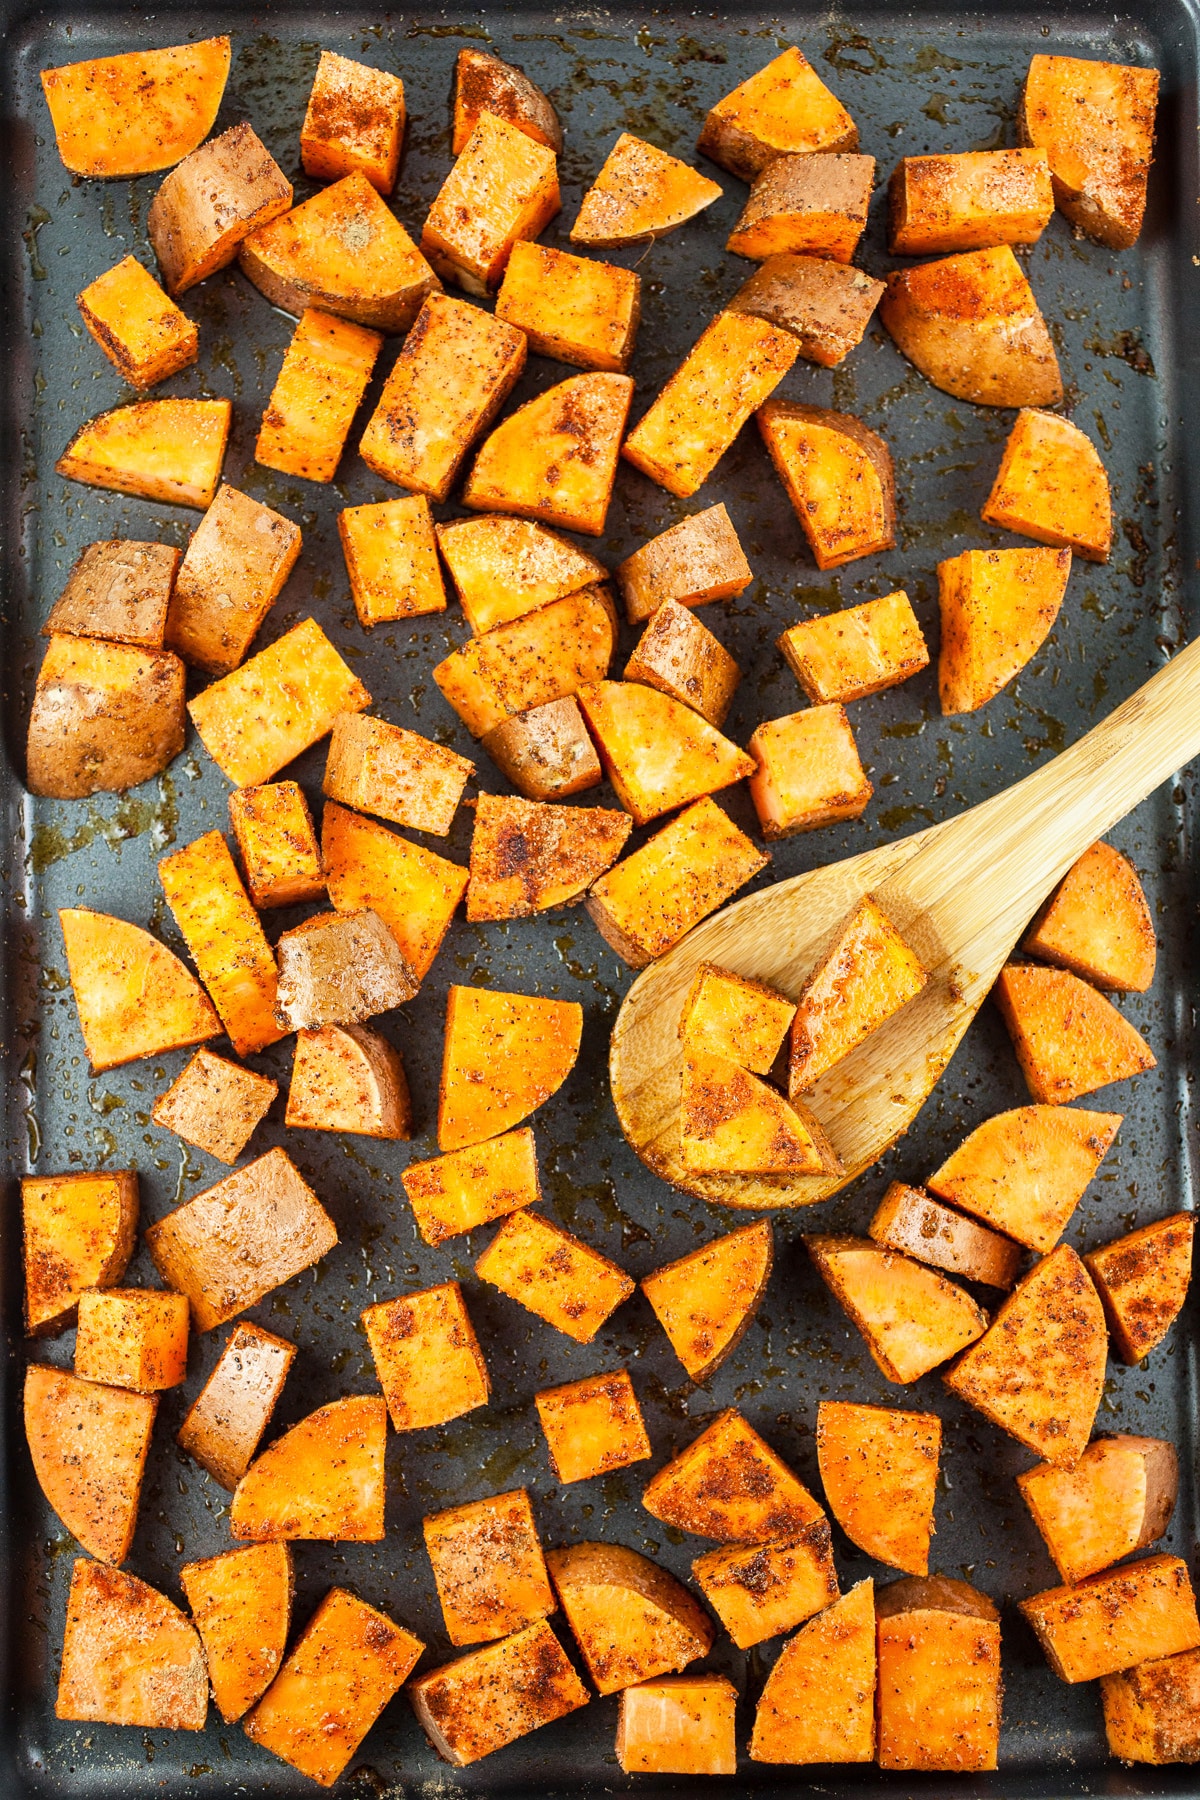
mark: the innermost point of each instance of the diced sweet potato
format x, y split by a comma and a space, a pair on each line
104, 718
879, 1468
730, 371
837, 475
504, 568
705, 1300
503, 187
216, 1105
345, 1078
658, 753
322, 1479
344, 252
165, 450
491, 1697
909, 1221
783, 110
826, 306
681, 658
645, 904
911, 1317
818, 1705
413, 890
1152, 1711
1143, 1281
1038, 1371
136, 113
489, 1567
973, 328
222, 930
528, 857
392, 560
848, 655
640, 194
134, 997
339, 968
998, 607
728, 1484
226, 1420
324, 376
468, 1188
971, 201
132, 1338
279, 849
399, 775
1025, 1171
1095, 121
129, 1656
88, 1445
119, 591
1118, 1497
231, 1245
593, 1426
808, 772
696, 561
631, 1620
1110, 1622
427, 1357
1097, 923
547, 655
482, 83
939, 1675
1051, 485
572, 308
239, 558
555, 458
678, 1725
242, 1605
344, 1668
865, 976
736, 1017
257, 719
78, 1233
547, 752
557, 1276
759, 1590
733, 1123
211, 202
1068, 1038
813, 204
456, 369
504, 1054
354, 123
143, 333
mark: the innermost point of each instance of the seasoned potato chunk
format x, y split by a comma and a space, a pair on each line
1095, 121
1143, 1281
391, 560
129, 1656
813, 204
838, 477
226, 1420
1051, 485
998, 607
482, 83
132, 1338
705, 1300
939, 1675
211, 202
345, 1078
555, 458
909, 1221
242, 1605
808, 772
1118, 1497
971, 201
118, 591
879, 1468
658, 753
546, 655
696, 561
216, 1105
322, 1479
572, 308
104, 718
818, 1705
678, 1725
527, 857
222, 930
593, 1426
782, 110
78, 1233
504, 568
557, 1276
413, 890
165, 450
502, 188
339, 968
864, 977
733, 1016
733, 1123
729, 1484
279, 849
324, 376
504, 1054
973, 328
848, 655
88, 1446
143, 333
759, 1590
134, 114
631, 1620
1025, 1171
467, 1188
399, 775
1152, 1711
427, 1357
641, 193
1097, 923
911, 1317
354, 123
681, 658
1110, 1622
489, 1568
547, 753
826, 306
134, 997
491, 1697
1068, 1038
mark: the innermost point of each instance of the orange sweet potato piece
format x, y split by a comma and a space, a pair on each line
482, 83
427, 1357
338, 968
322, 1479
971, 201
698, 560
135, 998
546, 752
211, 202
1025, 1171
631, 1620
555, 458
413, 890
911, 1317
1051, 485
456, 1193
504, 568
838, 476
813, 204
399, 775
640, 194
104, 718
528, 857
129, 1656
997, 607
541, 657
132, 1338
1095, 121
226, 939
681, 658
783, 110
489, 1568
317, 391
503, 187
909, 1221
241, 1604
557, 1276
88, 1445
678, 1725
1068, 1038
705, 1300
848, 655
504, 1055
165, 450
733, 1016
865, 976
593, 1427
232, 1410
118, 591
879, 1468
572, 308
216, 1105
658, 753
1110, 1622
826, 306
1117, 1498
354, 123
939, 1675
1143, 1281
808, 772
728, 1484
491, 1697
1151, 1711
136, 113
78, 1233
143, 333
392, 560
278, 846
972, 326
818, 1704
1097, 924
733, 1123
346, 1078
759, 1590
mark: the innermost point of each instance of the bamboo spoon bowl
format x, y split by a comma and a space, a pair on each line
961, 892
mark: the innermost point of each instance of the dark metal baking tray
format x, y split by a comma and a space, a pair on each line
1128, 332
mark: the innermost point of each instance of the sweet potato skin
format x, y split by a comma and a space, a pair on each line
812, 204
489, 1568
640, 194
592, 1427
88, 1445
226, 1421
681, 658
339, 968
136, 113
216, 1105
1110, 1622
545, 752
78, 1233
972, 326
482, 83
1143, 1282
210, 202
826, 306
909, 1221
105, 717
118, 591
692, 563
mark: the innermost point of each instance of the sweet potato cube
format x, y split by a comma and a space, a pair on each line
631, 1620
1143, 1281
165, 450
705, 1300
344, 252
813, 204
808, 772
241, 1604
212, 201
678, 1725
504, 568
322, 1479
572, 308
504, 1055
1068, 1038
279, 849
528, 857
1110, 1622
696, 561
88, 1445
231, 1245
972, 201
1095, 121
1025, 1171
216, 1105
345, 1078
502, 188
1097, 924
339, 968
392, 560
399, 775
909, 1221
658, 753
865, 976
545, 656
735, 1017
783, 110
879, 1468
1117, 1498
555, 458
482, 83
141, 331
129, 1656
346, 1665
911, 1317
593, 1426
226, 1420
1038, 1371
413, 890
427, 1357
492, 1697
489, 1567
998, 607
826, 306
456, 369
547, 752
136, 113
681, 658
468, 1188
104, 718
117, 591
263, 715
134, 997
354, 123
1151, 1712
78, 1233
132, 1338
972, 326
728, 1484
730, 371
562, 1280
818, 1704
223, 932
733, 1123
759, 1590
848, 655
324, 376
1051, 485
232, 572
640, 193
837, 475
645, 904
939, 1675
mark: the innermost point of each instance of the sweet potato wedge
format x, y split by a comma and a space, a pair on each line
592, 1427
1051, 485
104, 718
1038, 1371
134, 997
129, 1656
88, 1445
555, 458
413, 890
1141, 1611
143, 333
241, 1604
973, 328
1143, 1281
813, 204
392, 560
225, 1422
808, 772
119, 591
911, 1317
317, 391
427, 1357
165, 450
277, 843
681, 658
678, 1725
939, 1675
759, 1590
1151, 1711
631, 1620
216, 1105
492, 1697
837, 475
468, 1188
848, 655
132, 1338
826, 306
818, 1704
322, 1479
396, 774
1095, 121
211, 202
879, 1468
528, 857
733, 1123
972, 201
137, 113
733, 1016
696, 561
339, 968
864, 977
1025, 1171
489, 1568
547, 655
345, 1078
1068, 1038
504, 568
546, 752
78, 1233
640, 194
503, 187
554, 1275
728, 1484
998, 607
783, 110
1097, 924
504, 1055
658, 753
354, 123
706, 1300
482, 83
225, 937
572, 308
1117, 1498
909, 1221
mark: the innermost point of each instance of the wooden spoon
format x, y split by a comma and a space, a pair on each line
961, 892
